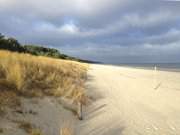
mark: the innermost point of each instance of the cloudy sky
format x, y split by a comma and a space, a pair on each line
113, 31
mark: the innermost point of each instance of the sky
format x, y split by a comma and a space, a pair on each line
110, 31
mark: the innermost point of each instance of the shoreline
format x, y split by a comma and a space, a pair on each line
145, 68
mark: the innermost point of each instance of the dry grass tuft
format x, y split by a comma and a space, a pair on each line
27, 75
26, 126
66, 131
36, 132
29, 128
1, 130
8, 98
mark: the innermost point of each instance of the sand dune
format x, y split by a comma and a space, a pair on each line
131, 101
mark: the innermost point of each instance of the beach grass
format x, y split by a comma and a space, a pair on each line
29, 128
1, 130
66, 131
34, 76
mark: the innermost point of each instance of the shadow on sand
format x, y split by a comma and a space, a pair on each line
96, 120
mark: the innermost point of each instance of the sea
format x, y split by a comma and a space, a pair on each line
175, 67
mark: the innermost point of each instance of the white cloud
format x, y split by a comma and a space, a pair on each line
69, 28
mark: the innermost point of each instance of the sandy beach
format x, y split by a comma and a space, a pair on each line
129, 101
124, 101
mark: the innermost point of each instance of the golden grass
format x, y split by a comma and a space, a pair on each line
66, 131
29, 128
36, 132
8, 98
29, 75
26, 126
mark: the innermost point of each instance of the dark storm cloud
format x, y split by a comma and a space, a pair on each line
106, 30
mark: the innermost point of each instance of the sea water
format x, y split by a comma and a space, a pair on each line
160, 66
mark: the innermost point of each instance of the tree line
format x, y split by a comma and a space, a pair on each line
12, 44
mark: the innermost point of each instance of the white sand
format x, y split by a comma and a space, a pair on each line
132, 102
48, 115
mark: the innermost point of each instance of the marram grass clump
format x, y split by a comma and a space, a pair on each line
29, 75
